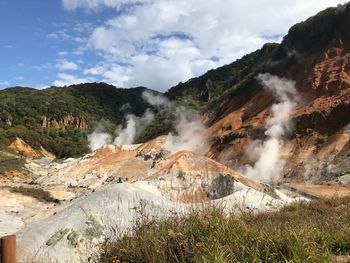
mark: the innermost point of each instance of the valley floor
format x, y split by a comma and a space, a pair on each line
204, 211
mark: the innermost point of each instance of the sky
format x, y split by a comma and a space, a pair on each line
129, 43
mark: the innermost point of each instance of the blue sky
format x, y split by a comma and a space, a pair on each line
36, 35
135, 42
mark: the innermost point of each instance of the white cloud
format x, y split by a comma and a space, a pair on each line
166, 41
4, 84
59, 35
62, 53
63, 64
94, 4
71, 33
19, 78
53, 35
64, 79
43, 67
117, 75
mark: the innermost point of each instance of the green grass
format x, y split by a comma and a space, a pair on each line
9, 161
10, 164
304, 232
37, 193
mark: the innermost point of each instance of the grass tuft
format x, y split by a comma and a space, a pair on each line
316, 231
37, 193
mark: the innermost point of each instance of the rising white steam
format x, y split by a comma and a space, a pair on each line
191, 134
269, 164
98, 138
156, 100
134, 127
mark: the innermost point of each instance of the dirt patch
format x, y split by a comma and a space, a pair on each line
322, 191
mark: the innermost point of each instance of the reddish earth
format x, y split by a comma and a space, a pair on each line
319, 146
322, 191
21, 147
316, 55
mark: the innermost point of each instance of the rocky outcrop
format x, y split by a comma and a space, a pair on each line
333, 71
8, 120
66, 120
75, 233
210, 88
22, 148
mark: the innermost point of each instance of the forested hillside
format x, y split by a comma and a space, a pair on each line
58, 118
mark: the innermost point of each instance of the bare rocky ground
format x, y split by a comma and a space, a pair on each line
61, 210
104, 193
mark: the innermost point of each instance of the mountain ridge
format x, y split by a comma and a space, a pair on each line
314, 53
249, 138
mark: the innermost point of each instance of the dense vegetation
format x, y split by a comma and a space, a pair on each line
163, 123
22, 111
92, 101
318, 231
218, 82
315, 33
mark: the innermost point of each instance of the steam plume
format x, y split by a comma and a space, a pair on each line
156, 100
191, 134
269, 165
134, 126
98, 138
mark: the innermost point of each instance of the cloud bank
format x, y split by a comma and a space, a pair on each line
159, 43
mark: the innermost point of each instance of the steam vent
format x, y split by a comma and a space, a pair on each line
174, 131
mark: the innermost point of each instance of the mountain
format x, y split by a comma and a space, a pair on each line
310, 38
236, 107
216, 83
269, 129
314, 54
58, 118
68, 208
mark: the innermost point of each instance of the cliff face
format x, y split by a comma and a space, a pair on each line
316, 55
67, 120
